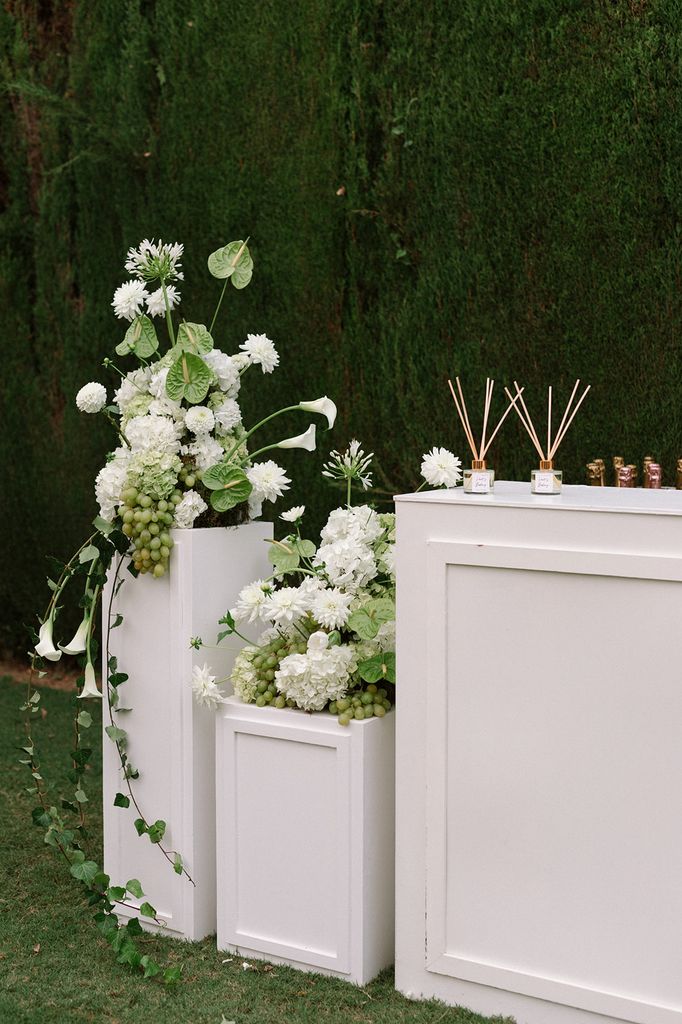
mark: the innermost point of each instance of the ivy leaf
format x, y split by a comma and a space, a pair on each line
151, 968
117, 622
366, 620
147, 910
134, 888
134, 927
172, 975
234, 261
193, 338
88, 554
177, 864
84, 719
157, 831
116, 893
140, 338
229, 484
85, 872
140, 826
121, 800
41, 817
116, 734
380, 667
190, 378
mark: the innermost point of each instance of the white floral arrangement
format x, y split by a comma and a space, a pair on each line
328, 609
183, 458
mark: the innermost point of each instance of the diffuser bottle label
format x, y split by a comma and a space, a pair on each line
544, 482
480, 481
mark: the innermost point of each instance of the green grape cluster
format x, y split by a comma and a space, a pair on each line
370, 701
148, 524
266, 664
189, 476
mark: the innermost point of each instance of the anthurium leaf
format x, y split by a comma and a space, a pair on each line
284, 556
380, 667
189, 378
366, 620
193, 338
229, 484
233, 258
305, 548
140, 338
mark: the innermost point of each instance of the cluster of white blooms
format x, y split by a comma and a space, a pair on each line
244, 676
346, 552
92, 397
320, 675
110, 483
206, 690
189, 509
261, 352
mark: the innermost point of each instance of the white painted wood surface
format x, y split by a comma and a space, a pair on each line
539, 726
172, 739
305, 820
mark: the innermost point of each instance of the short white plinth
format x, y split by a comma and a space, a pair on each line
305, 821
171, 740
539, 753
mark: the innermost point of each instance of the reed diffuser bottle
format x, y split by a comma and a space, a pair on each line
479, 479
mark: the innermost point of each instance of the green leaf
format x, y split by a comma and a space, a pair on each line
366, 620
84, 719
188, 378
117, 622
140, 826
140, 338
116, 734
102, 525
134, 888
157, 831
85, 872
120, 800
177, 864
88, 554
305, 548
193, 338
151, 968
229, 484
172, 975
116, 892
284, 556
81, 796
380, 667
41, 817
233, 260
147, 910
134, 927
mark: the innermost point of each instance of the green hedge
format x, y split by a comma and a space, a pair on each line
479, 187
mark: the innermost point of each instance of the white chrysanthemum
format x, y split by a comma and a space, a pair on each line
110, 483
244, 676
205, 450
129, 300
268, 480
155, 303
251, 601
313, 679
191, 506
135, 385
261, 352
331, 608
228, 415
285, 605
294, 514
206, 691
441, 468
225, 369
199, 420
92, 397
157, 432
155, 260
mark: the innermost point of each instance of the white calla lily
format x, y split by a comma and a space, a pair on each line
90, 686
324, 406
306, 440
45, 647
77, 645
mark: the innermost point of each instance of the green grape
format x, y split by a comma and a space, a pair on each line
155, 556
261, 686
333, 708
190, 480
129, 495
379, 710
280, 702
138, 543
155, 544
145, 536
343, 704
128, 516
381, 692
260, 701
146, 516
159, 570
359, 713
154, 529
356, 702
367, 698
344, 719
291, 703
162, 505
144, 501
127, 529
372, 688
144, 554
165, 551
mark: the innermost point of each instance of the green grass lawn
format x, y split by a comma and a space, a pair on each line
56, 969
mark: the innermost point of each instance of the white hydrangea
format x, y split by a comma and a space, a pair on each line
225, 369
286, 605
191, 506
331, 607
441, 468
360, 523
165, 406
261, 352
205, 450
346, 552
110, 483
268, 480
206, 690
320, 675
92, 397
228, 415
157, 381
199, 420
241, 360
251, 601
133, 386
155, 302
157, 432
129, 300
244, 676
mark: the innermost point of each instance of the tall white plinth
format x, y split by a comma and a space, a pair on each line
305, 839
171, 740
539, 753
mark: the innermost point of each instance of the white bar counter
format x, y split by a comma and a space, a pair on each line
539, 753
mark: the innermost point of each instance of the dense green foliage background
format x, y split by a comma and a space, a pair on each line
474, 187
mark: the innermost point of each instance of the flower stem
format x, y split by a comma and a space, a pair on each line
349, 489
217, 309
169, 318
247, 435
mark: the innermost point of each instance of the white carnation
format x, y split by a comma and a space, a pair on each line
228, 415
313, 679
191, 506
206, 691
205, 450
441, 468
331, 608
225, 370
251, 601
268, 480
155, 302
261, 352
199, 420
129, 299
92, 397
110, 483
157, 432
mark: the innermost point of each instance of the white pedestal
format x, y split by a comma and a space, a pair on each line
171, 739
539, 753
305, 839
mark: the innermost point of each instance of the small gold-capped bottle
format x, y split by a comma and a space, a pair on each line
593, 474
478, 479
546, 479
